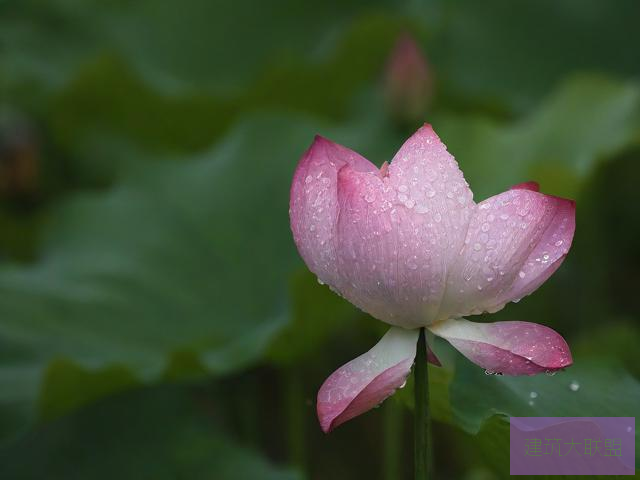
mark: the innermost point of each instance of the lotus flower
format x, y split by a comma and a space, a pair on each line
407, 244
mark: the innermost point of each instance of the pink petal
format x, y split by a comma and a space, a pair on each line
314, 203
510, 348
367, 380
397, 233
515, 241
431, 357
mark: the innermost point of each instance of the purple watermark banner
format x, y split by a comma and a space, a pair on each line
572, 445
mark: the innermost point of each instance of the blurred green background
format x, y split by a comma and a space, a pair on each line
156, 321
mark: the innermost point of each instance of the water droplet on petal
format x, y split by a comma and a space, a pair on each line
308, 179
522, 274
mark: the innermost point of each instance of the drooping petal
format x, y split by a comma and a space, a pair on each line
314, 203
367, 380
515, 241
398, 232
509, 348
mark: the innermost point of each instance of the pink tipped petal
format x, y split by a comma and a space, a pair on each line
397, 233
509, 348
431, 358
533, 186
314, 203
367, 380
515, 241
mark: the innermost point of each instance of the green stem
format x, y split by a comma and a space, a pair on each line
421, 418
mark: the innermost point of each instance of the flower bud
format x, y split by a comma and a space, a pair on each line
408, 82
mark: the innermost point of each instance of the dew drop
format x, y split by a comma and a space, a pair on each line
531, 403
522, 274
437, 217
320, 282
504, 216
533, 394
574, 386
430, 193
402, 188
312, 228
402, 197
558, 243
308, 179
485, 227
551, 373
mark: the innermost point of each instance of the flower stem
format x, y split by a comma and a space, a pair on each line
421, 417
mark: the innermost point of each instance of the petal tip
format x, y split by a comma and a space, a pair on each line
427, 130
533, 186
324, 419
